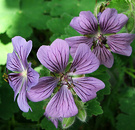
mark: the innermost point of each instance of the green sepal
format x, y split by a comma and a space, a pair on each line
81, 110
82, 114
67, 122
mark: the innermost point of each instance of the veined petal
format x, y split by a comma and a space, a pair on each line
13, 62
120, 43
22, 48
74, 42
87, 87
86, 23
43, 89
22, 100
104, 55
32, 77
62, 104
16, 82
54, 57
84, 60
111, 22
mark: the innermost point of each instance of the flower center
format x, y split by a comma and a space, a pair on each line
65, 79
24, 73
99, 40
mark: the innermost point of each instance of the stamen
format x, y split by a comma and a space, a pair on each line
5, 76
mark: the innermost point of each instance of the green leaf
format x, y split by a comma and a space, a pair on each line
7, 107
44, 72
57, 25
130, 26
119, 5
4, 50
73, 7
18, 17
47, 124
67, 122
126, 119
71, 32
37, 111
93, 108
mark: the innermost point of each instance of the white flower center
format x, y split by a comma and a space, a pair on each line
24, 73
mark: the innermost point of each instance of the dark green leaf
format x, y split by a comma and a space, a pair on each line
7, 107
37, 111
93, 108
126, 119
47, 124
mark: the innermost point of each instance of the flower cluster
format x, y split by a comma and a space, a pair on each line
69, 79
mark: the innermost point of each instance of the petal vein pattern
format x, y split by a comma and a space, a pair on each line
84, 61
54, 57
62, 104
87, 87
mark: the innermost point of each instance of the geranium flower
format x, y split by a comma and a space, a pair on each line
55, 57
95, 35
24, 77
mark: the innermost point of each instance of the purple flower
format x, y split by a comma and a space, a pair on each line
55, 57
100, 43
24, 77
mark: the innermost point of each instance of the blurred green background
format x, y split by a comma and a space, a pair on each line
42, 21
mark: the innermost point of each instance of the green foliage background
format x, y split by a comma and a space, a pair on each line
42, 21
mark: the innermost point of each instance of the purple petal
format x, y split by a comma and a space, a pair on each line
32, 77
43, 89
22, 48
86, 23
111, 22
120, 43
104, 55
13, 62
62, 104
54, 57
22, 100
84, 60
15, 81
98, 16
87, 87
74, 42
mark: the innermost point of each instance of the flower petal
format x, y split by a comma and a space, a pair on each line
43, 89
22, 48
84, 60
104, 55
54, 57
111, 22
62, 104
22, 100
16, 82
13, 62
74, 42
120, 43
87, 87
32, 77
86, 23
